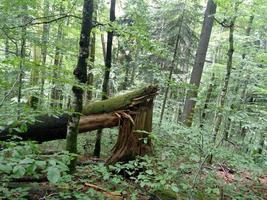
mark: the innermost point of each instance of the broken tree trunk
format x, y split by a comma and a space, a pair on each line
112, 112
47, 128
133, 136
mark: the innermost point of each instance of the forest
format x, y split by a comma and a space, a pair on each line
133, 99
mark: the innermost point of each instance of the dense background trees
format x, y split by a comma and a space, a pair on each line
209, 59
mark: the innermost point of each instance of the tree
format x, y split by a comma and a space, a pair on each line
219, 114
80, 73
195, 79
105, 86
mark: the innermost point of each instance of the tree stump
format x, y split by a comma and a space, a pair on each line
133, 138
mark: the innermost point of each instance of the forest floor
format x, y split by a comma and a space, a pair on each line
172, 173
92, 180
221, 180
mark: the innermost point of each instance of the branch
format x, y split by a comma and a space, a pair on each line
223, 23
32, 21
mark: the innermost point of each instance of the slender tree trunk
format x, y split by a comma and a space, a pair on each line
103, 45
190, 103
105, 86
248, 30
219, 114
261, 142
207, 100
6, 48
45, 38
127, 64
90, 80
33, 100
80, 73
56, 91
90, 77
171, 69
21, 63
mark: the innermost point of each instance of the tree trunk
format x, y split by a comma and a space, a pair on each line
6, 48
90, 77
80, 73
105, 86
48, 128
128, 60
207, 100
45, 38
219, 114
56, 91
21, 63
190, 103
133, 138
103, 45
33, 100
261, 142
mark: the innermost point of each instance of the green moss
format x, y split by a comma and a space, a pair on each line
116, 103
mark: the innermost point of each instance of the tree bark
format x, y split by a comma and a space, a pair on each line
195, 79
80, 73
105, 86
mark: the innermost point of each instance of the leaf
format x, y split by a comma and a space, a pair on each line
5, 168
150, 172
53, 174
40, 163
52, 162
174, 188
19, 171
27, 161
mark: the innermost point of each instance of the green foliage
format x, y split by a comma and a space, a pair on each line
144, 39
24, 159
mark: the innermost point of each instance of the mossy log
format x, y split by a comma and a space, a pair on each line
124, 101
132, 112
96, 115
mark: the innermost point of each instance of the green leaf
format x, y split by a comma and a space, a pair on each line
52, 162
150, 172
40, 163
27, 161
19, 171
5, 168
174, 188
53, 174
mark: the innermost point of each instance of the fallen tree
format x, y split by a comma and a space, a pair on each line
131, 111
47, 128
